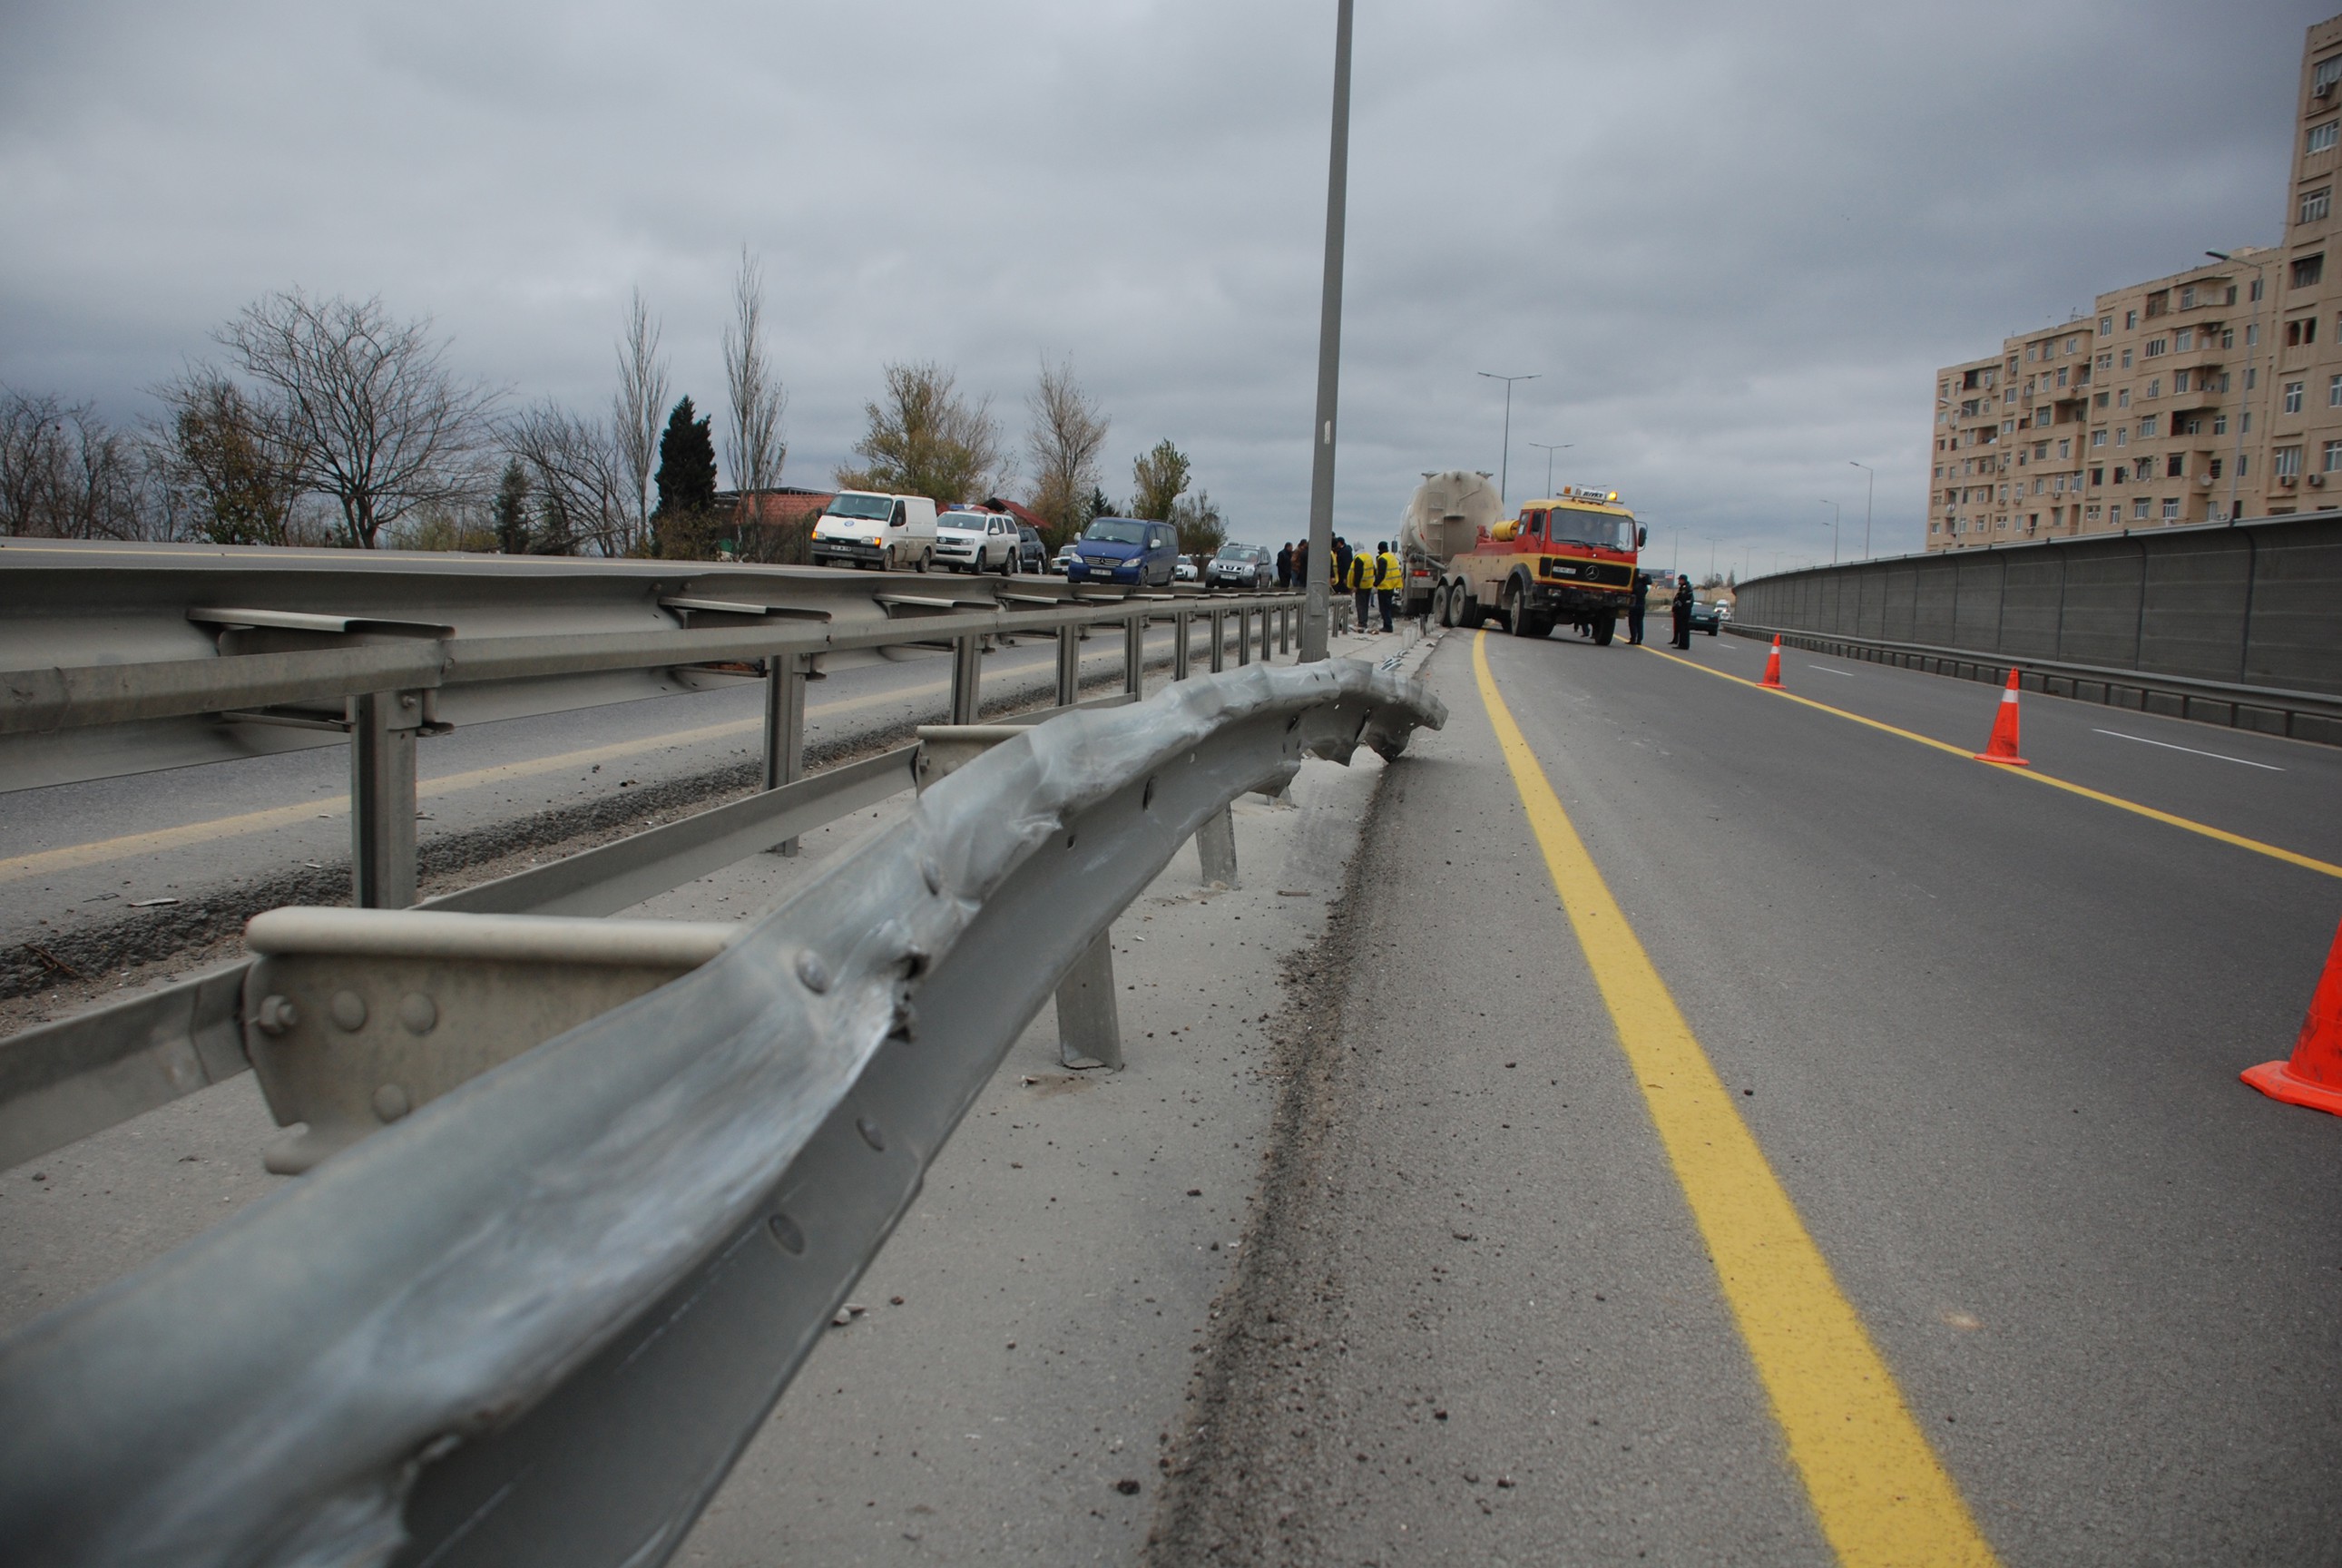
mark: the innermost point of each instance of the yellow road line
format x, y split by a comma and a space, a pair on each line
47, 862
2275, 852
1883, 1498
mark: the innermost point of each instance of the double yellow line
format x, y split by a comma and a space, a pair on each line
1882, 1497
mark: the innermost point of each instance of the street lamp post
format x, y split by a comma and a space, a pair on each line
1549, 450
1833, 519
1504, 468
1870, 485
1314, 607
2260, 287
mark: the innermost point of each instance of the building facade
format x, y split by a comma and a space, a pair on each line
2214, 392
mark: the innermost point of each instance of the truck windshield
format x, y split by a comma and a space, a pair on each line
1602, 529
1117, 530
853, 506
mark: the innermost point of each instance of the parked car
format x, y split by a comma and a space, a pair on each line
1032, 554
1185, 572
1125, 550
971, 539
1063, 558
1246, 566
863, 528
1705, 616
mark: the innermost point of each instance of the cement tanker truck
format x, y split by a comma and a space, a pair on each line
1568, 558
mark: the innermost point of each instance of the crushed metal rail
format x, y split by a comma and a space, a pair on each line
536, 1321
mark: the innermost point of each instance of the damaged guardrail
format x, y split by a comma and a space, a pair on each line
536, 1320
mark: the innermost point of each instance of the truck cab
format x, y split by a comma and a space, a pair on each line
1567, 557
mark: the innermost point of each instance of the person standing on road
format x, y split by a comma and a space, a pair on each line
1635, 609
1683, 612
1362, 591
1284, 568
1386, 581
1301, 563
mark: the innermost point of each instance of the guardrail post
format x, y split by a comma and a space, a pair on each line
1090, 1025
1219, 640
785, 703
1284, 628
1069, 664
1216, 846
967, 678
1265, 654
381, 798
1244, 636
1134, 655
1182, 641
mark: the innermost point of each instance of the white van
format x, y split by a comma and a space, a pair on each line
862, 528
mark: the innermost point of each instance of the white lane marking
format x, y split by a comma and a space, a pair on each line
2191, 751
1826, 670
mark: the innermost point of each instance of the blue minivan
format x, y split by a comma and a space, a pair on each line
1125, 550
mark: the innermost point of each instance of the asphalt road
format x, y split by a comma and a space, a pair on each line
1985, 1034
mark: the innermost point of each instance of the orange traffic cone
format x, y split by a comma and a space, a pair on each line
1772, 665
2002, 747
2314, 1076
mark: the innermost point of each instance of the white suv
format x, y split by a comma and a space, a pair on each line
970, 539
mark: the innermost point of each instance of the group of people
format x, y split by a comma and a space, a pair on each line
1680, 605
1373, 580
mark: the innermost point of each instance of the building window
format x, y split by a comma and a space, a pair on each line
2126, 359
2106, 323
2256, 290
2097, 438
2097, 477
2309, 271
2174, 467
2228, 338
2321, 138
2156, 345
2154, 386
2122, 397
2188, 301
2073, 345
2158, 304
2065, 448
2183, 340
2213, 468
2219, 424
2313, 205
2293, 396
2298, 333
2138, 510
2130, 320
2171, 508
2285, 462
2062, 373
2332, 461
2122, 438
2147, 426
2178, 382
2323, 76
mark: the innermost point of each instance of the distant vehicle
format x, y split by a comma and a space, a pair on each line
971, 539
1185, 572
1032, 554
1247, 567
1063, 558
1125, 550
1705, 616
863, 528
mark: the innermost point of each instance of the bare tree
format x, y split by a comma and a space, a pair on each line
1067, 432
578, 480
639, 409
381, 424
753, 445
230, 468
927, 440
66, 474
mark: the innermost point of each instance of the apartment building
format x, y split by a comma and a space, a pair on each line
2212, 393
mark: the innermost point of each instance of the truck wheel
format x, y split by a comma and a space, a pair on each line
1468, 612
1606, 625
1519, 619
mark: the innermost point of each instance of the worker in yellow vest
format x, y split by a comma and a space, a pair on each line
1386, 581
1362, 587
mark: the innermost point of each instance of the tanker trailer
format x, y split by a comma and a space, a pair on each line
1447, 513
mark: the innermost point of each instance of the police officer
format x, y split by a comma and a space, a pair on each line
1386, 581
1683, 612
1635, 608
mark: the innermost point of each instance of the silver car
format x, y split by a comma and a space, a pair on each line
1246, 566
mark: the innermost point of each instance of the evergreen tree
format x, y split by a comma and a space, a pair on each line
683, 524
510, 509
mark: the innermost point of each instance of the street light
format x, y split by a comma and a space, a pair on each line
1505, 467
1316, 608
1834, 517
1869, 486
1549, 450
2260, 280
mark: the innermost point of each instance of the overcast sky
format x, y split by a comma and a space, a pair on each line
1735, 241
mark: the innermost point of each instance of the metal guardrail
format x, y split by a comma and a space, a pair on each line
2302, 715
536, 1321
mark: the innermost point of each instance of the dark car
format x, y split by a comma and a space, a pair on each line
1125, 550
1703, 617
1032, 555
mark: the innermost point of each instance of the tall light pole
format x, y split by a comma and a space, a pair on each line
1505, 467
1834, 517
1549, 450
2260, 281
1314, 613
1869, 486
